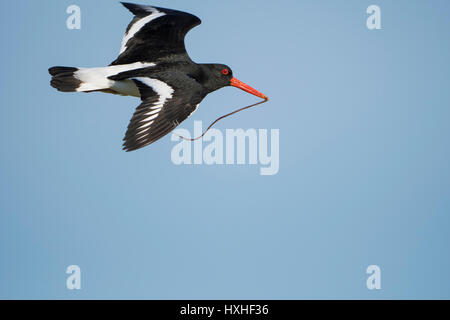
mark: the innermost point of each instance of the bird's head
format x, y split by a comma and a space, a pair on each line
220, 75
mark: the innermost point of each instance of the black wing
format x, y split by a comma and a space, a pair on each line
154, 34
164, 106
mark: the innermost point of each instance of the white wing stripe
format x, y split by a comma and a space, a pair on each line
145, 126
138, 25
153, 112
151, 117
164, 92
161, 88
196, 107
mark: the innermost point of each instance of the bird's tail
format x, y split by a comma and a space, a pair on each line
64, 79
68, 79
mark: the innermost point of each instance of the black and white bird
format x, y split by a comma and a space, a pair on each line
153, 65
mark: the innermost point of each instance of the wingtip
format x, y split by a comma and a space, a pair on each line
137, 9
128, 148
128, 5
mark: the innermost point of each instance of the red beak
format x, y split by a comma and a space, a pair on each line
239, 84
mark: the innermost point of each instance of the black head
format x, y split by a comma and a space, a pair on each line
216, 76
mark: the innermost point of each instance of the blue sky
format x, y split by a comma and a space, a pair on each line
364, 159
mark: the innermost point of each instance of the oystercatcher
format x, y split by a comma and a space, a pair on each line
153, 65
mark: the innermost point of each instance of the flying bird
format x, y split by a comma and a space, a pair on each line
153, 65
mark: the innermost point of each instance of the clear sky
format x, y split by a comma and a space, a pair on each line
364, 173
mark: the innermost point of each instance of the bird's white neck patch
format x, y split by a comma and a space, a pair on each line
138, 25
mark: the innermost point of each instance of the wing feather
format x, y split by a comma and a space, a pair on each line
155, 34
164, 106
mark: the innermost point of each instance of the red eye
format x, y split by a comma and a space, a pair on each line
225, 72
